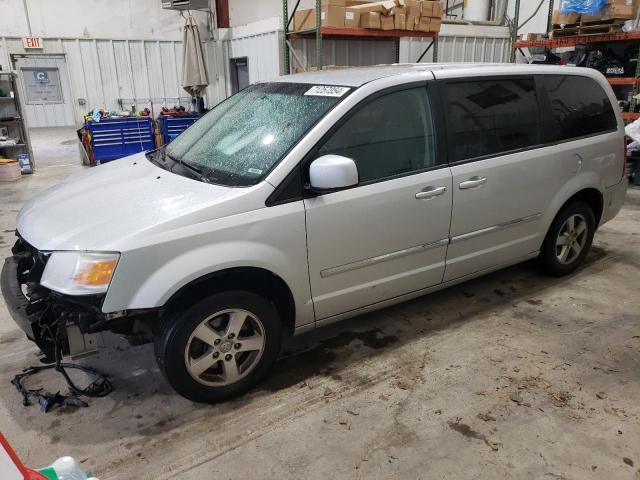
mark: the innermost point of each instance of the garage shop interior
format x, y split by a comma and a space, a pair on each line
311, 239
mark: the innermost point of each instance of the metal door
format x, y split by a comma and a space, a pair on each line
239, 74
503, 178
388, 236
46, 91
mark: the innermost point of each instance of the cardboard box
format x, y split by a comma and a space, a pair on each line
397, 10
411, 21
389, 5
330, 16
432, 9
559, 19
387, 22
414, 11
438, 11
423, 24
351, 18
415, 4
377, 7
400, 21
304, 20
428, 24
619, 11
371, 20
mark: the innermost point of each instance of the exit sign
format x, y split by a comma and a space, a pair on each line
31, 42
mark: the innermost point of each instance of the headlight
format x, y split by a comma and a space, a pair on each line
79, 273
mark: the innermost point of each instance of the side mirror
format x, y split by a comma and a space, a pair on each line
332, 172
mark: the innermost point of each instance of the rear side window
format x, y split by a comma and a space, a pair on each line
578, 107
490, 117
391, 135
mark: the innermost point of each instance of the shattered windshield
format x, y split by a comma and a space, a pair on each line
241, 139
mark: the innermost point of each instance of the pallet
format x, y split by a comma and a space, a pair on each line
613, 25
587, 23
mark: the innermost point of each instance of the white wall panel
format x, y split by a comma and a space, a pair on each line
143, 73
126, 19
263, 52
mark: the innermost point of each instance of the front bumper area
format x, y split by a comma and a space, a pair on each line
17, 303
41, 313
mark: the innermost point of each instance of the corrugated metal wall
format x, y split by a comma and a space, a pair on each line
138, 72
373, 52
457, 49
344, 52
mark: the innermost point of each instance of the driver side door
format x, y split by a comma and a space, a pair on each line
388, 235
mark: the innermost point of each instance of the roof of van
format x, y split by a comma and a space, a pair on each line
358, 76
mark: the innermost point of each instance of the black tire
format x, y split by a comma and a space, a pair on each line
549, 260
175, 333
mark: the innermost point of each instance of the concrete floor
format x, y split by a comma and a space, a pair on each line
513, 375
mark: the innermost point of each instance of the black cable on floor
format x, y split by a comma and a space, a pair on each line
100, 387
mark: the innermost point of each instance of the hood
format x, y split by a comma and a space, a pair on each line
104, 207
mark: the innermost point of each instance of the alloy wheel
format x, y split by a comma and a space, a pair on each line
225, 347
571, 239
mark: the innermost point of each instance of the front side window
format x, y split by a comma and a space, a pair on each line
241, 139
489, 117
578, 106
391, 135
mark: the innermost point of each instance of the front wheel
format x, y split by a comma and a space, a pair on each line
568, 240
219, 347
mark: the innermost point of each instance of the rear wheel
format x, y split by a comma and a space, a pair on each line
219, 347
568, 240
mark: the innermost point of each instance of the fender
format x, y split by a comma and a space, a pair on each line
144, 278
582, 181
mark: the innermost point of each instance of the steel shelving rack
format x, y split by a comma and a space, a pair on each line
320, 33
599, 38
604, 38
12, 117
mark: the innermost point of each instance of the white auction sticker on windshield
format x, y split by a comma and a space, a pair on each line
327, 91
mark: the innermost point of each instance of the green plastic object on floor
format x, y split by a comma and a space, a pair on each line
65, 468
50, 473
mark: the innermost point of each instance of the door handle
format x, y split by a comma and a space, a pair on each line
430, 192
473, 182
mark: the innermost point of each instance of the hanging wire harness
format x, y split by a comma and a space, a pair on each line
101, 386
45, 315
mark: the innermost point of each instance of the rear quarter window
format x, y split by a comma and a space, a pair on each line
575, 107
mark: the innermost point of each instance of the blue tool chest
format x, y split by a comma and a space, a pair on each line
170, 127
113, 138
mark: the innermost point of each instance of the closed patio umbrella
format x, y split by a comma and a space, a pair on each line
194, 71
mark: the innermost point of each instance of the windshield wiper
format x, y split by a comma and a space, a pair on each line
152, 156
188, 168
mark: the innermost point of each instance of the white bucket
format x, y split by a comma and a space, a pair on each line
10, 172
476, 10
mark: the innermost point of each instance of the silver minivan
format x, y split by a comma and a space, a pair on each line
313, 198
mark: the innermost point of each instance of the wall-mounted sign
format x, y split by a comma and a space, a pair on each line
42, 85
30, 43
